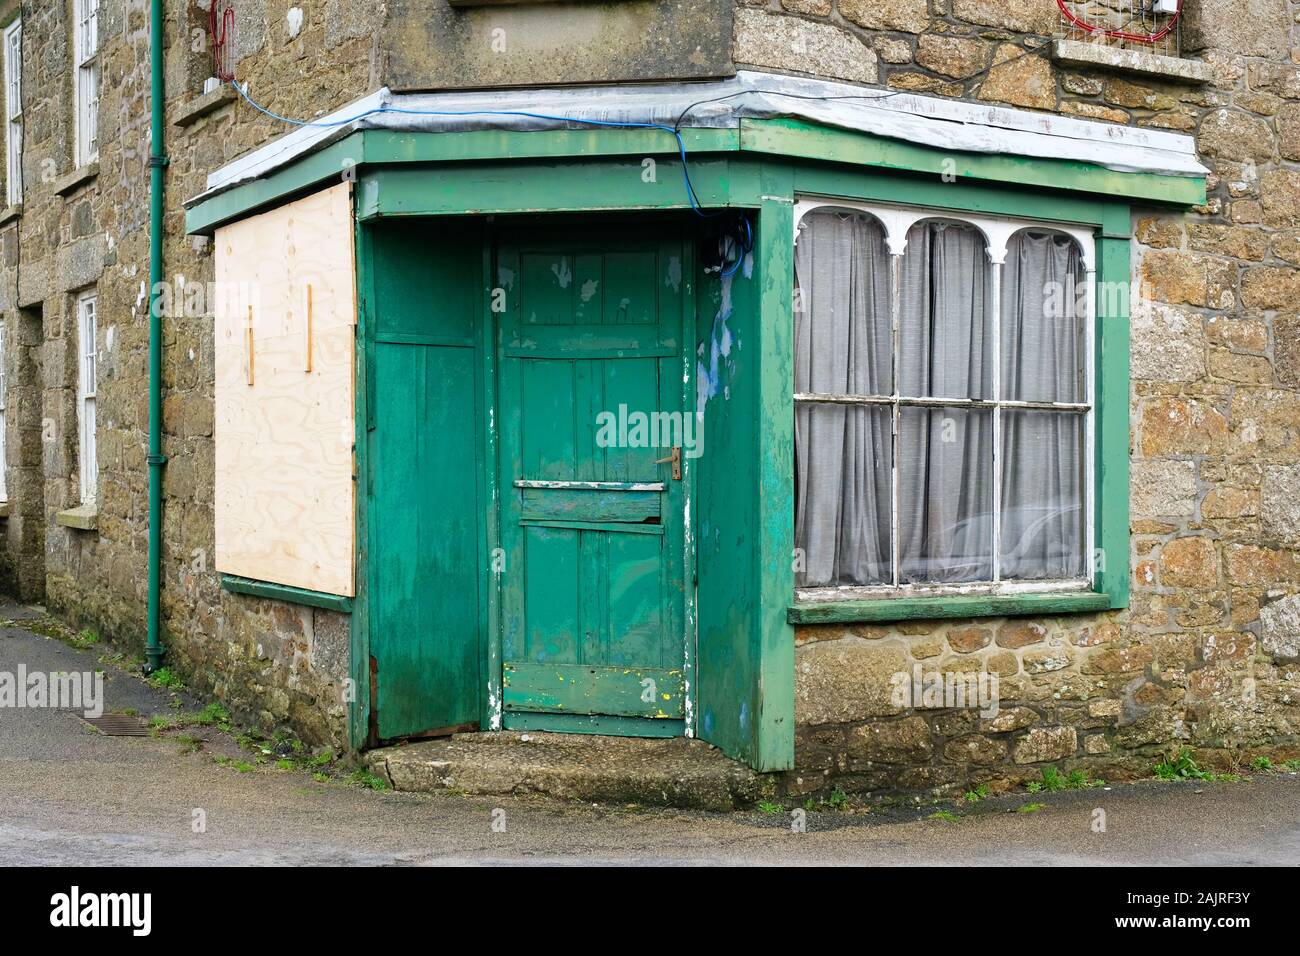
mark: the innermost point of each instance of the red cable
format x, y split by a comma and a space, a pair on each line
219, 38
1120, 34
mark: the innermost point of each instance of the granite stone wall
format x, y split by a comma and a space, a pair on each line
271, 663
1208, 654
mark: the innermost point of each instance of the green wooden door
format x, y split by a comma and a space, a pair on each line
425, 504
592, 599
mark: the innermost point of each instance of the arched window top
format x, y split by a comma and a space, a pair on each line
845, 212
898, 221
1052, 232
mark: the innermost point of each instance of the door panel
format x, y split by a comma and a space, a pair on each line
592, 597
426, 522
581, 689
425, 508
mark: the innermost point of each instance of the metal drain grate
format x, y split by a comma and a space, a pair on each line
119, 725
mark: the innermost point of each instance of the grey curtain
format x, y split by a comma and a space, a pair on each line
945, 467
1042, 451
945, 456
842, 452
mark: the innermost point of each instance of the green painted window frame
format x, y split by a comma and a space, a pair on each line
287, 593
1110, 223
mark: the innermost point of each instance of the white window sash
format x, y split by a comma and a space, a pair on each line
87, 326
86, 79
997, 232
13, 38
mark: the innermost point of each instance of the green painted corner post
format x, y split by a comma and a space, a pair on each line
774, 262
1113, 289
491, 699
358, 700
156, 459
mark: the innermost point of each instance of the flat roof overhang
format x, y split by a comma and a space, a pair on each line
764, 115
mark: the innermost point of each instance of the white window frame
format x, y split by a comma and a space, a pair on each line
13, 79
896, 221
85, 46
4, 419
87, 386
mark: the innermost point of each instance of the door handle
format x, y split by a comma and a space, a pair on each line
676, 459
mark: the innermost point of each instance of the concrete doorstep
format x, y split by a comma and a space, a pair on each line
674, 772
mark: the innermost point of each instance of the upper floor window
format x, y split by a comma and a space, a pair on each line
943, 402
87, 329
13, 54
86, 79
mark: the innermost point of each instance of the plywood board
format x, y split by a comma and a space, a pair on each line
285, 426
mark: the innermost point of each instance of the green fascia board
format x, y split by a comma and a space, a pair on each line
387, 146
962, 606
284, 592
833, 181
333, 162
561, 186
788, 137
375, 148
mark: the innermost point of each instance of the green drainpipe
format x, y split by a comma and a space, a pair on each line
156, 459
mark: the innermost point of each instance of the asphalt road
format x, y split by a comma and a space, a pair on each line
71, 796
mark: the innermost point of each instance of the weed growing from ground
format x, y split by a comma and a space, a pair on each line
368, 780
1185, 767
979, 793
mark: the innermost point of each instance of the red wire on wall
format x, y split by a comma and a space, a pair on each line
1121, 34
221, 21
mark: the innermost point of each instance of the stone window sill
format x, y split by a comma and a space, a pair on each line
6, 508
191, 112
69, 183
1171, 69
81, 518
929, 608
11, 213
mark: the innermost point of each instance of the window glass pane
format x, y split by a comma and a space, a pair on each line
1043, 310
945, 495
842, 494
945, 345
13, 71
842, 335
1042, 495
90, 454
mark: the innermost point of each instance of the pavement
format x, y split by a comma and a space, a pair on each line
71, 796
